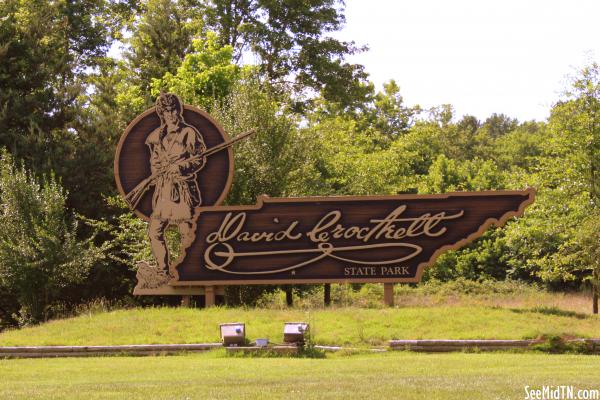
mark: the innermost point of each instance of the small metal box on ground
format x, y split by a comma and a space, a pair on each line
295, 332
233, 334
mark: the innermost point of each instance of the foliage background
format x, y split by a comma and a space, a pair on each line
324, 129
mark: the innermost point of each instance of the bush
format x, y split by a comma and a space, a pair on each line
41, 257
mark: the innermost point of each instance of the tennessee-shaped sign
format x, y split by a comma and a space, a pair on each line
333, 239
174, 166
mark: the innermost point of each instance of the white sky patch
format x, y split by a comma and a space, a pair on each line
509, 56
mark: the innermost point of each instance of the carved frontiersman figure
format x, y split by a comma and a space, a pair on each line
175, 159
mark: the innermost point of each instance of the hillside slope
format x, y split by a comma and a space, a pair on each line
336, 326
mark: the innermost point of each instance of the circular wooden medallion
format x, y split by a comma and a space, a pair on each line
132, 160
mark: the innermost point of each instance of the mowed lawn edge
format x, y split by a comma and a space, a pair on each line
214, 375
335, 326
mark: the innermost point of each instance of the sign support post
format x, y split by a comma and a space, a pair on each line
388, 294
186, 301
327, 294
209, 296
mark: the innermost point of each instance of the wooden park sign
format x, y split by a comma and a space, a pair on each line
174, 166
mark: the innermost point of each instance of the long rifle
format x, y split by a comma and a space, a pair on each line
135, 195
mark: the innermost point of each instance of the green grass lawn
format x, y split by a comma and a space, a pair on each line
214, 375
338, 326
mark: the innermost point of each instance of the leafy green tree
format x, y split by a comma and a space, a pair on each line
48, 50
466, 140
206, 74
484, 259
386, 112
442, 115
540, 245
161, 35
586, 92
588, 240
277, 160
549, 243
101, 120
291, 42
351, 162
421, 146
521, 147
498, 125
448, 175
576, 140
586, 95
41, 258
45, 49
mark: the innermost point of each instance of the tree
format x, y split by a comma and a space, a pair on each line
277, 160
161, 35
289, 39
48, 50
352, 160
448, 175
551, 242
467, 139
498, 125
205, 76
45, 49
41, 257
521, 147
588, 239
585, 93
387, 113
485, 258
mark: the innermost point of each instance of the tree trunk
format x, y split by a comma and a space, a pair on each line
595, 290
327, 294
289, 299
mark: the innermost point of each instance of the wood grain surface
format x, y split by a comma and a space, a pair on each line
338, 239
132, 160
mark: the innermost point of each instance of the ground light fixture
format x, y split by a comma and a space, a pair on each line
233, 333
295, 332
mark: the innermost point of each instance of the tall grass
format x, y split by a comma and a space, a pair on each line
459, 293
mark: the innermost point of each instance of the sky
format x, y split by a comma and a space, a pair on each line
483, 57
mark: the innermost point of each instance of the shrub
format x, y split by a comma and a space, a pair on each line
41, 256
